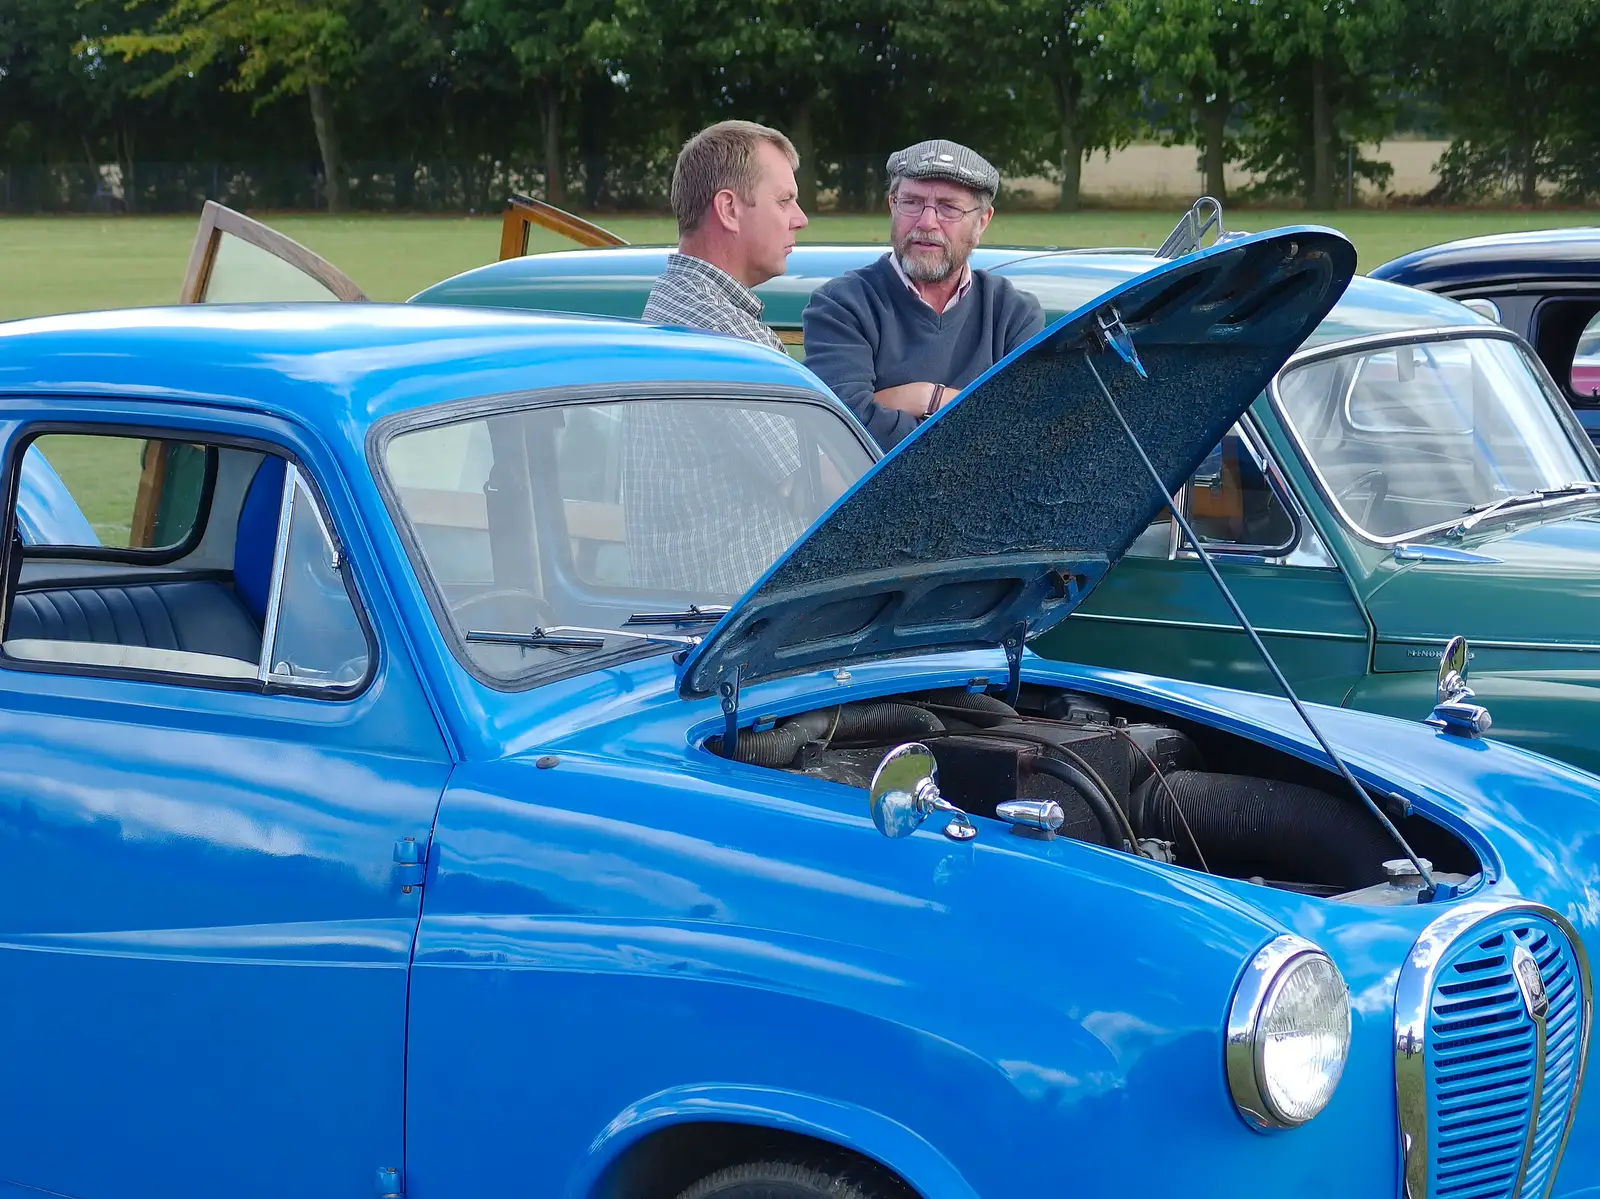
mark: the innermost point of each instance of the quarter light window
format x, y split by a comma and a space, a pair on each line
1230, 502
177, 558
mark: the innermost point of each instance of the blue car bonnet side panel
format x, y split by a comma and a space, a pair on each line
623, 926
1023, 533
658, 924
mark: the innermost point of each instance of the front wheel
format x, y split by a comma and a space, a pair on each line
784, 1180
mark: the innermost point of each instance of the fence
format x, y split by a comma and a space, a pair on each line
185, 187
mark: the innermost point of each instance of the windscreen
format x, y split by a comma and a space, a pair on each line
596, 514
1411, 438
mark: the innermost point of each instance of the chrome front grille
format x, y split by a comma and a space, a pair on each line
1492, 1016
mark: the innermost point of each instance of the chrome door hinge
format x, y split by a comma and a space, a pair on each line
411, 861
391, 1183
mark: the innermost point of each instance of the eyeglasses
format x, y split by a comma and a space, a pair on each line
946, 212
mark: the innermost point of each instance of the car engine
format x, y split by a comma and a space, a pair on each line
1126, 779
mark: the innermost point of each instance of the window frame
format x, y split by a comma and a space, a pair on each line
509, 403
11, 464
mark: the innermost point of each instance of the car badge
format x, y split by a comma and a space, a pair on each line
1530, 981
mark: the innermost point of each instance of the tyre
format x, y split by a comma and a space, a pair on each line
785, 1180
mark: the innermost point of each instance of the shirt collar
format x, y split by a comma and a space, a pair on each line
961, 288
717, 279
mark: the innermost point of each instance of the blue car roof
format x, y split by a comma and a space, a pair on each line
355, 363
1498, 258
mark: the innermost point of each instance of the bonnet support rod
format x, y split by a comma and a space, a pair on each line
1430, 888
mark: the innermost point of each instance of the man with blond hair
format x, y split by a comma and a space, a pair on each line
738, 209
713, 489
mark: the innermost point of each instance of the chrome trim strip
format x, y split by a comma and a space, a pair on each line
1584, 647
1412, 991
1382, 341
1339, 349
1540, 1048
280, 552
1229, 628
1242, 1052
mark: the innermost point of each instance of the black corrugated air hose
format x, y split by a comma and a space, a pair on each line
1253, 825
969, 708
778, 747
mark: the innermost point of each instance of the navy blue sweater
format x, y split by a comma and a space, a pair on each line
865, 331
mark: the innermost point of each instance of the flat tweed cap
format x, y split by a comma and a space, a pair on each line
939, 159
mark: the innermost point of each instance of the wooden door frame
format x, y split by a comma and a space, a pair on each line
524, 212
217, 220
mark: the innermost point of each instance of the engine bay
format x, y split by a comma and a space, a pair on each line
1132, 780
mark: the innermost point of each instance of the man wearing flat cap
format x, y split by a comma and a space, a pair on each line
896, 339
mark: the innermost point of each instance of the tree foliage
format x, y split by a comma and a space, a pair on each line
595, 96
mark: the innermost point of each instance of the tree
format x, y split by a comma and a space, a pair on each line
1055, 54
274, 48
786, 62
1323, 81
1514, 78
546, 41
1192, 58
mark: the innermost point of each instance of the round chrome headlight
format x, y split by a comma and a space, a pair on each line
1288, 1034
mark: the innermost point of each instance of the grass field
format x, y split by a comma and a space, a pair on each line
64, 264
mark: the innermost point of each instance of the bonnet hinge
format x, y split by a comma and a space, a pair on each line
728, 690
1013, 644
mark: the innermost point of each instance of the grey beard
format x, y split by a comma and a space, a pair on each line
922, 271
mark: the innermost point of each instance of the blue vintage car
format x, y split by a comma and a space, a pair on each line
464, 772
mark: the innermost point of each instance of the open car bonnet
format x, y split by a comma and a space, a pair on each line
996, 518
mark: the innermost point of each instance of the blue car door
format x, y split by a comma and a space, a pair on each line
217, 770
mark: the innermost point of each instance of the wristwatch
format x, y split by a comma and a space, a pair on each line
934, 401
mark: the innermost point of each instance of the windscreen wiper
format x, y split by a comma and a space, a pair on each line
560, 637
1114, 336
693, 614
539, 637
1476, 515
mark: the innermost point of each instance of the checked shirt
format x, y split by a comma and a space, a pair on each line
707, 481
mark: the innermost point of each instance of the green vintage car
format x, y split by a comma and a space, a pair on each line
1412, 474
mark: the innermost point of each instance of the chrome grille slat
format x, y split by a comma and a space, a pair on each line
1492, 1017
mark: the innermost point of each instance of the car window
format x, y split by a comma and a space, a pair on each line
248, 586
136, 493
1231, 505
1585, 374
588, 514
1406, 440
317, 638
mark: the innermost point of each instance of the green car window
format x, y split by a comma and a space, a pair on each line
1406, 440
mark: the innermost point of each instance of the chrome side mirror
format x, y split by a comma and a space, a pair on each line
1452, 712
905, 792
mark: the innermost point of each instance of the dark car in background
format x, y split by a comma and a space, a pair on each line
1544, 284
